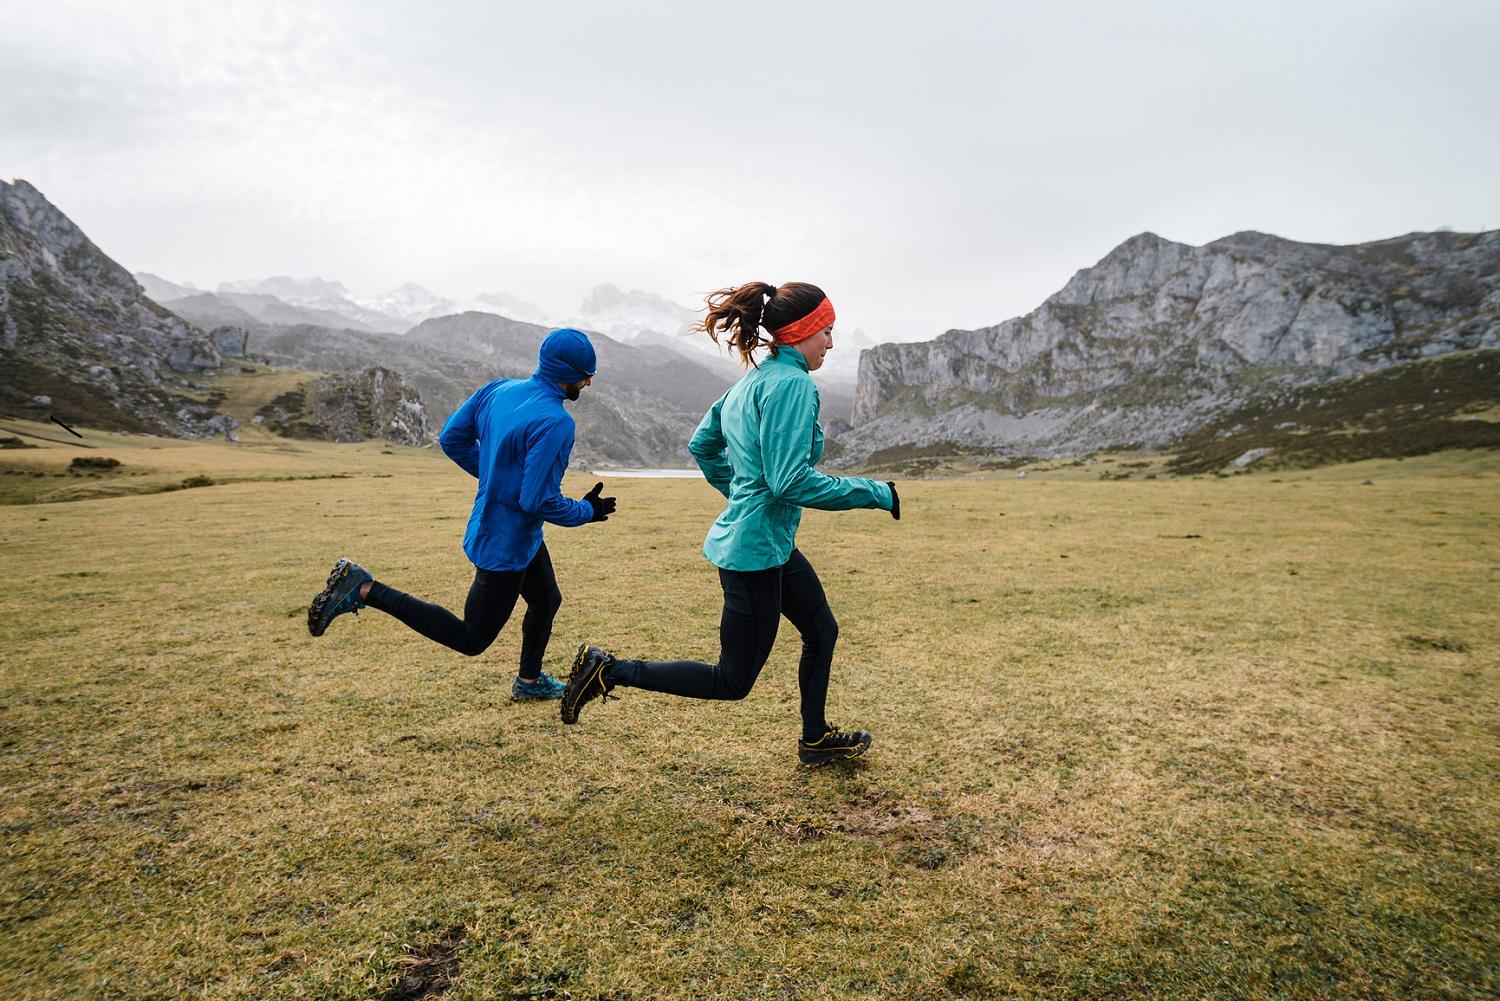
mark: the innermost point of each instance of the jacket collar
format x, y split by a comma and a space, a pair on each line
788, 355
551, 387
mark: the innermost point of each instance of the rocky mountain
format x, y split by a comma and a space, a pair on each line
641, 409
272, 309
161, 291
233, 304
208, 311
1161, 338
637, 316
506, 304
287, 300
625, 315
80, 339
411, 303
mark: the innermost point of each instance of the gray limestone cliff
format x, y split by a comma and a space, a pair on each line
1159, 337
77, 330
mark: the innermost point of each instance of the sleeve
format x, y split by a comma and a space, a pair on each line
789, 414
710, 450
548, 447
459, 438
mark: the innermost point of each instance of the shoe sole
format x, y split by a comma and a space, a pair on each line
533, 698
316, 624
839, 754
572, 704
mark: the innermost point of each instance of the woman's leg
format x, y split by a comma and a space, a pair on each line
747, 630
491, 598
543, 599
806, 606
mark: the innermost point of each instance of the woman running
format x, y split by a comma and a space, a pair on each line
757, 446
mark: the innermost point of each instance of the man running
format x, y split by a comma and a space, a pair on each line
515, 436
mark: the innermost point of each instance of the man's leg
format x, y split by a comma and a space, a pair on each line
492, 596
747, 630
806, 606
543, 599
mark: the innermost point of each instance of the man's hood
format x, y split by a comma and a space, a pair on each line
566, 355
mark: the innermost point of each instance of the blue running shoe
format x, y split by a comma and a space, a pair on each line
340, 596
542, 689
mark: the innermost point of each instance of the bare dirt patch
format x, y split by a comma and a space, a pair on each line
429, 969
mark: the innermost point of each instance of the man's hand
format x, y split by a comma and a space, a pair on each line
603, 506
895, 500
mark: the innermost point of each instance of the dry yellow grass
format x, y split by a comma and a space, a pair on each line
1168, 738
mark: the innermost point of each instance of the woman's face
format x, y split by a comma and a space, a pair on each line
815, 347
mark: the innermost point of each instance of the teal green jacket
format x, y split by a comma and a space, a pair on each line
757, 446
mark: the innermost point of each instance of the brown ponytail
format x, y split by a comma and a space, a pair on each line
741, 312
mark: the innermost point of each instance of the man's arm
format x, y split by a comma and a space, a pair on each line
710, 450
459, 438
788, 416
547, 450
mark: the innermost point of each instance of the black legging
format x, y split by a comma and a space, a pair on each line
754, 602
492, 597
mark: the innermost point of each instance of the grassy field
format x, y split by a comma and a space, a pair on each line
1168, 738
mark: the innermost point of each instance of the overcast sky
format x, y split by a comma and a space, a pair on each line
932, 165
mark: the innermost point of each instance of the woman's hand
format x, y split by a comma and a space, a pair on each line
895, 501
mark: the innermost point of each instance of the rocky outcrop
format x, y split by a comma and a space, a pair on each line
75, 327
374, 403
1158, 337
231, 341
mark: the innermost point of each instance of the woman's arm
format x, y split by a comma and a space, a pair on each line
788, 416
710, 450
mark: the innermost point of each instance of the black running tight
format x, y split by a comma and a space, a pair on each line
492, 597
754, 602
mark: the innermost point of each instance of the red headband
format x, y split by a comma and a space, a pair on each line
801, 330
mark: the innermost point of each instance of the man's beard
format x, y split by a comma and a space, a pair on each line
573, 390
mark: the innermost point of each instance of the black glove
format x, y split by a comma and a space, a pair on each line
603, 506
895, 501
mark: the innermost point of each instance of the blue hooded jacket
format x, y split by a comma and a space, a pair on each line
515, 436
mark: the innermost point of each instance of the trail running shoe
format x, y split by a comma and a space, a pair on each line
834, 745
538, 689
340, 596
586, 681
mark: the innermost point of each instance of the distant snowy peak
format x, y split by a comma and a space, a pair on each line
315, 293
412, 303
627, 315
511, 306
159, 290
